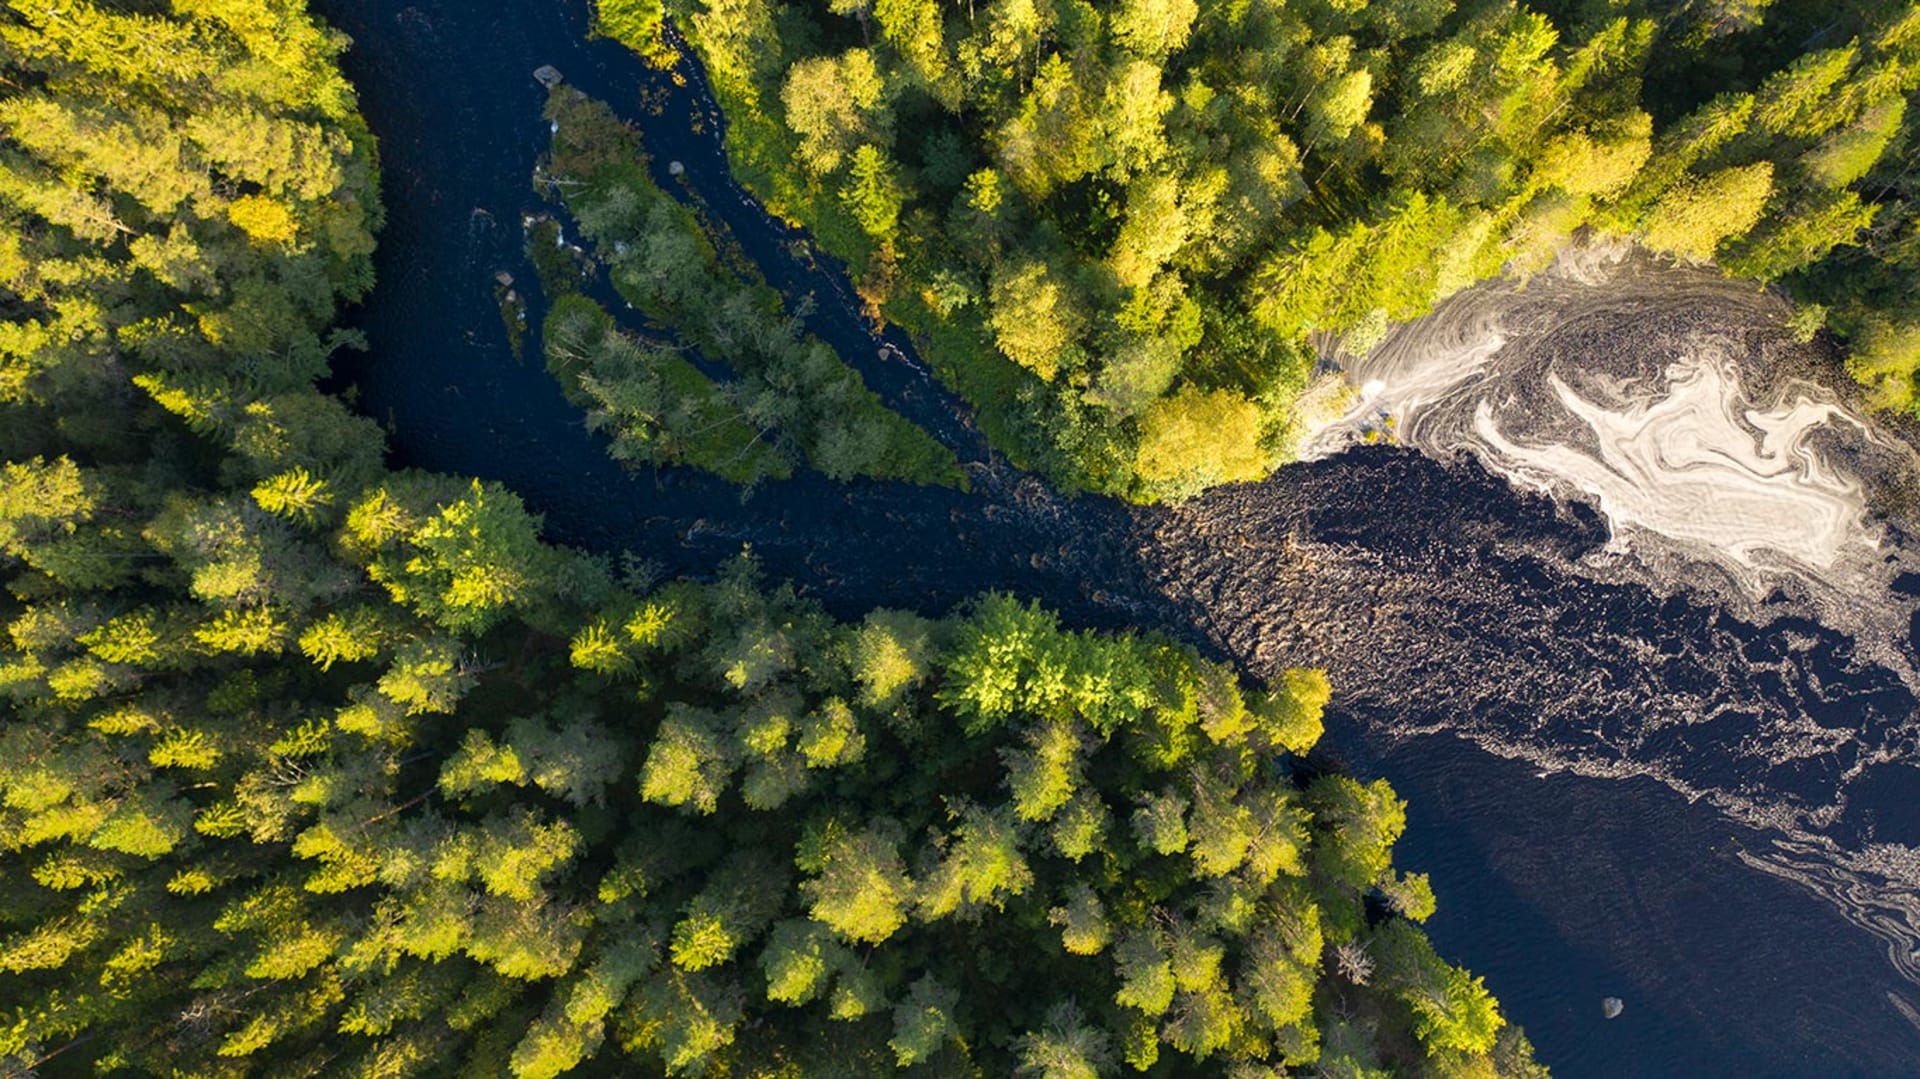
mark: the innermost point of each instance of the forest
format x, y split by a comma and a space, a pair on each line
312, 766
1124, 230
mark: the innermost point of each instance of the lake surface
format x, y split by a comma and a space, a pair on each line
1540, 720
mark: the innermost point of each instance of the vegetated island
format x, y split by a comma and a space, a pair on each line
316, 767
1113, 227
781, 393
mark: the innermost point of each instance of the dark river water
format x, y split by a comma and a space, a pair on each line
1617, 791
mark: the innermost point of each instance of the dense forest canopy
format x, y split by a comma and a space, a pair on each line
1116, 225
309, 766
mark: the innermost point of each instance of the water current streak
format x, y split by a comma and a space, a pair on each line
1879, 885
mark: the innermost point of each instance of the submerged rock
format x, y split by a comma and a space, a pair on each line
548, 76
1611, 1007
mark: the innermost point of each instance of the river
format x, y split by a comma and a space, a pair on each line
1621, 784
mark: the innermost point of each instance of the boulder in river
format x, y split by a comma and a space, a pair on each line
1611, 1007
548, 76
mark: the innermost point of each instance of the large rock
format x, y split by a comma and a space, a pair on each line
548, 76
1611, 1007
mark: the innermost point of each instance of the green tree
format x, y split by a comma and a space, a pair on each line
1154, 28
635, 24
1036, 317
1693, 219
873, 194
835, 105
857, 884
891, 654
1194, 440
463, 560
922, 1022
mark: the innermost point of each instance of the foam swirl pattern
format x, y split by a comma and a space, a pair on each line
1671, 400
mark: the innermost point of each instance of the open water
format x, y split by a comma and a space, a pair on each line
1642, 760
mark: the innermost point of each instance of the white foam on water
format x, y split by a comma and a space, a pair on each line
1744, 487
1624, 384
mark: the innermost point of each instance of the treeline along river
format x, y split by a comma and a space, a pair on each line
1621, 784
